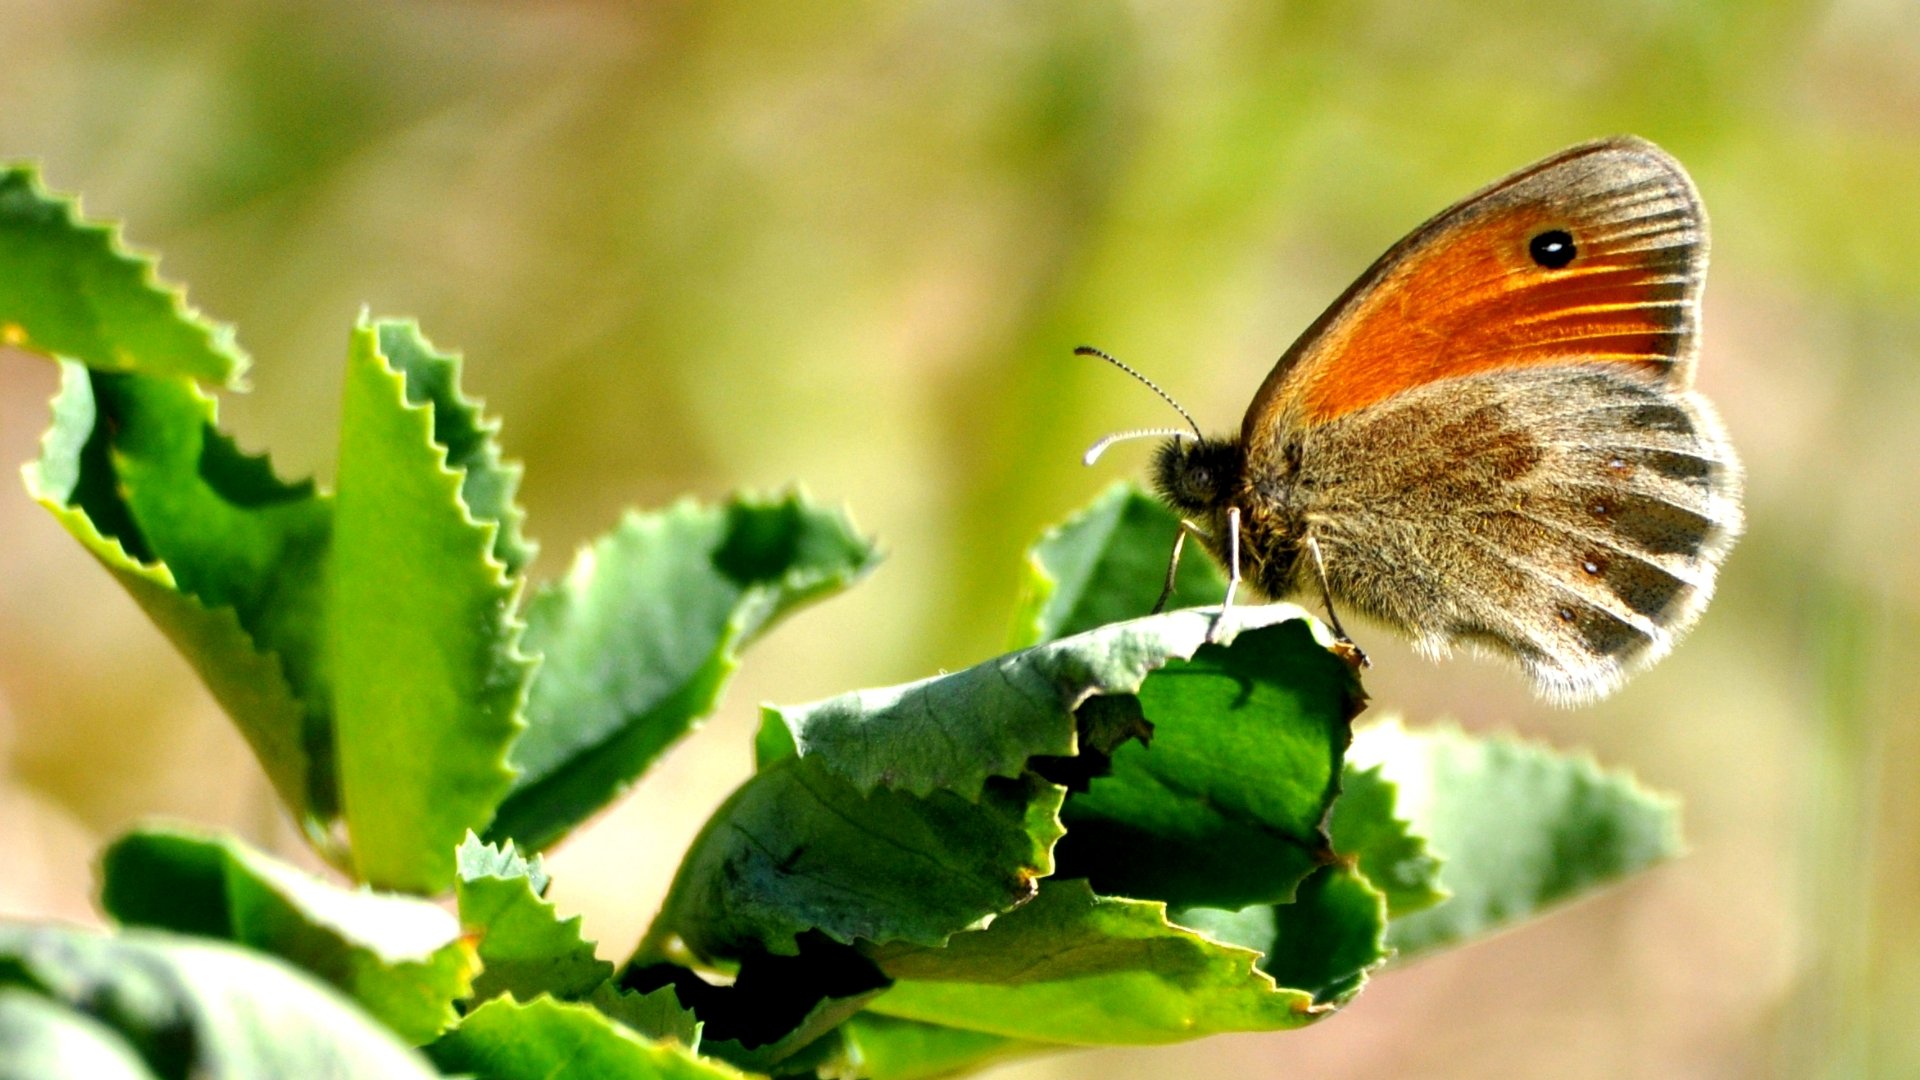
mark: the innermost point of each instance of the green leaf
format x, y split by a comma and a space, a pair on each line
549, 1040
226, 559
1227, 805
428, 681
806, 1043
527, 948
798, 848
70, 288
657, 1015
1366, 829
889, 1048
1324, 942
639, 638
1106, 564
1327, 940
1518, 827
192, 1007
915, 812
774, 1010
45, 1040
402, 959
477, 858
952, 732
1073, 967
487, 483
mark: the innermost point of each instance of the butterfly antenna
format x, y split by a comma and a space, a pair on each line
1088, 350
1093, 452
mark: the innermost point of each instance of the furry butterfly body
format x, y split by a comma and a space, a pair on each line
1491, 438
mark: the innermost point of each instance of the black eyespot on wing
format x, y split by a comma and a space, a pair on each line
1553, 249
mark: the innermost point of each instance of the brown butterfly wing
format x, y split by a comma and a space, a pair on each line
1493, 448
1572, 517
1465, 293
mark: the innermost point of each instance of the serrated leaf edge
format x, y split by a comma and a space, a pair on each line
735, 633
1363, 753
1407, 828
1581, 759
488, 528
513, 627
220, 337
112, 554
490, 426
534, 867
510, 587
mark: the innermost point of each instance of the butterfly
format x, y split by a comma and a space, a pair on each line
1491, 438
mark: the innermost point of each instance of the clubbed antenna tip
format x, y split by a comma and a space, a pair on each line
1088, 350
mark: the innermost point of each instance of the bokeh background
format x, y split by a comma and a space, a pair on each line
689, 248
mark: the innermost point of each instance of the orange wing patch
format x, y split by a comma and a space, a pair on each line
1468, 293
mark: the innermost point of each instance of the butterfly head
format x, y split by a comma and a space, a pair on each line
1197, 476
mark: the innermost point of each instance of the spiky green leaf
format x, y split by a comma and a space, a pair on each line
70, 288
428, 678
640, 637
545, 1039
1367, 829
1518, 827
527, 948
1106, 564
225, 558
657, 1014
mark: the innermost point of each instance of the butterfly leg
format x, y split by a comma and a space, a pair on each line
1173, 566
1326, 597
1173, 561
1233, 571
1233, 557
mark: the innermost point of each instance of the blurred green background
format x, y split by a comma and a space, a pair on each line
689, 248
